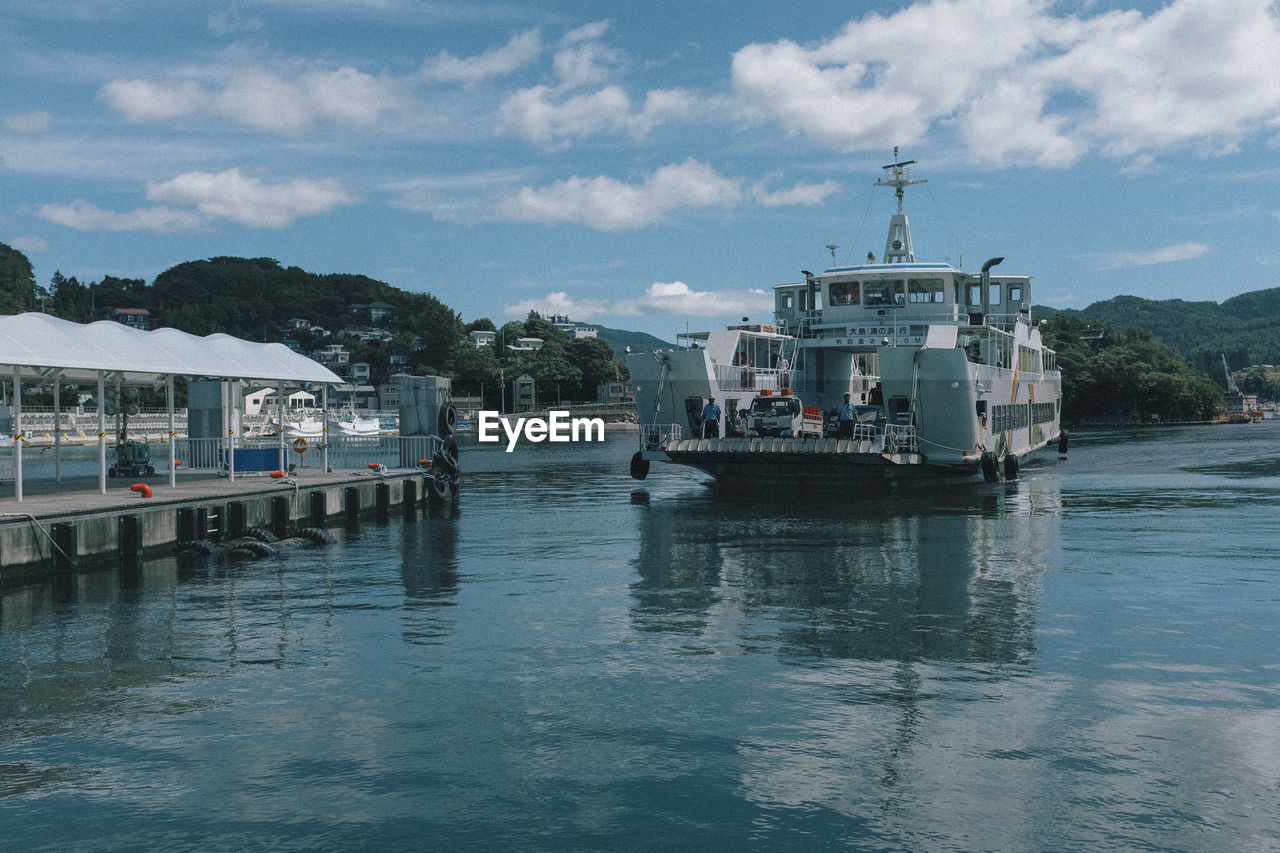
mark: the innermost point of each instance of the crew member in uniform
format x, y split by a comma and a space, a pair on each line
711, 419
848, 414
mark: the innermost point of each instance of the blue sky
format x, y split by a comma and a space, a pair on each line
651, 165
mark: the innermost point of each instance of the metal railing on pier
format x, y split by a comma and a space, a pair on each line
262, 456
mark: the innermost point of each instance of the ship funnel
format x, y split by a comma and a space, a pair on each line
986, 286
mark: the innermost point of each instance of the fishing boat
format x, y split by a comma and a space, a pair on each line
351, 424
308, 427
946, 369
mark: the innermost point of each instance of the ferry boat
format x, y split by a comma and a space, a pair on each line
946, 368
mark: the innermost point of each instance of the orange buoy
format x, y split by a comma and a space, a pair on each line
142, 489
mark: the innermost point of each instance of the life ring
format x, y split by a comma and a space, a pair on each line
448, 420
300, 445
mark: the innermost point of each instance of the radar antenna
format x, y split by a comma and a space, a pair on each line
897, 247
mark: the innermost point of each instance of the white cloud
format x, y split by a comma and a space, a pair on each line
558, 302
608, 204
141, 101
803, 194
30, 244
287, 102
519, 51
662, 297
1023, 85
36, 121
85, 216
290, 105
676, 297
231, 22
248, 201
532, 114
585, 64
587, 32
1165, 255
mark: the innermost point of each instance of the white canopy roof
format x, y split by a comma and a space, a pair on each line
40, 346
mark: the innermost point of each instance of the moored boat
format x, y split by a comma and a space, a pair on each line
309, 428
352, 424
949, 365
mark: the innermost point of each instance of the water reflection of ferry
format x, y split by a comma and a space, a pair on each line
917, 581
952, 360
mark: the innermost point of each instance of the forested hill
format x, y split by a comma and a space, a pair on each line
1246, 328
255, 298
620, 339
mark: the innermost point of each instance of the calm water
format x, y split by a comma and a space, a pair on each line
1086, 659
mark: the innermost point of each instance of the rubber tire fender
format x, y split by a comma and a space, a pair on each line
1011, 467
639, 466
441, 488
990, 467
448, 420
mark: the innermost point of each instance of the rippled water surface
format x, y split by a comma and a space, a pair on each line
1086, 659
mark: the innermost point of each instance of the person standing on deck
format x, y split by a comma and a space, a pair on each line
711, 419
848, 414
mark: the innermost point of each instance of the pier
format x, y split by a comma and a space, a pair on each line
72, 526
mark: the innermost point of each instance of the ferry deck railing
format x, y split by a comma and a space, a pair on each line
658, 436
867, 438
733, 377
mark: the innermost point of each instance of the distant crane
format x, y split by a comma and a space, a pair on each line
1232, 388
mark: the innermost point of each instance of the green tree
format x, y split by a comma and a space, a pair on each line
593, 357
69, 299
475, 370
1129, 378
18, 289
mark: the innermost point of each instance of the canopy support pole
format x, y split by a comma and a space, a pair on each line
57, 428
284, 461
324, 424
17, 433
231, 430
102, 433
173, 442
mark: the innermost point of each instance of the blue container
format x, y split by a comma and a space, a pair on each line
256, 459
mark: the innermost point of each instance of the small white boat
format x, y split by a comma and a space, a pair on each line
308, 428
354, 425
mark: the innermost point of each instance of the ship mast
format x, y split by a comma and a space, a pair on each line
897, 246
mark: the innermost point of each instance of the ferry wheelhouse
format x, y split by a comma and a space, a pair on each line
952, 360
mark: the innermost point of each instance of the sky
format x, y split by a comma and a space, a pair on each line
653, 166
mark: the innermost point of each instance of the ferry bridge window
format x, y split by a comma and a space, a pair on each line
1015, 293
974, 296
884, 292
786, 301
925, 290
843, 293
